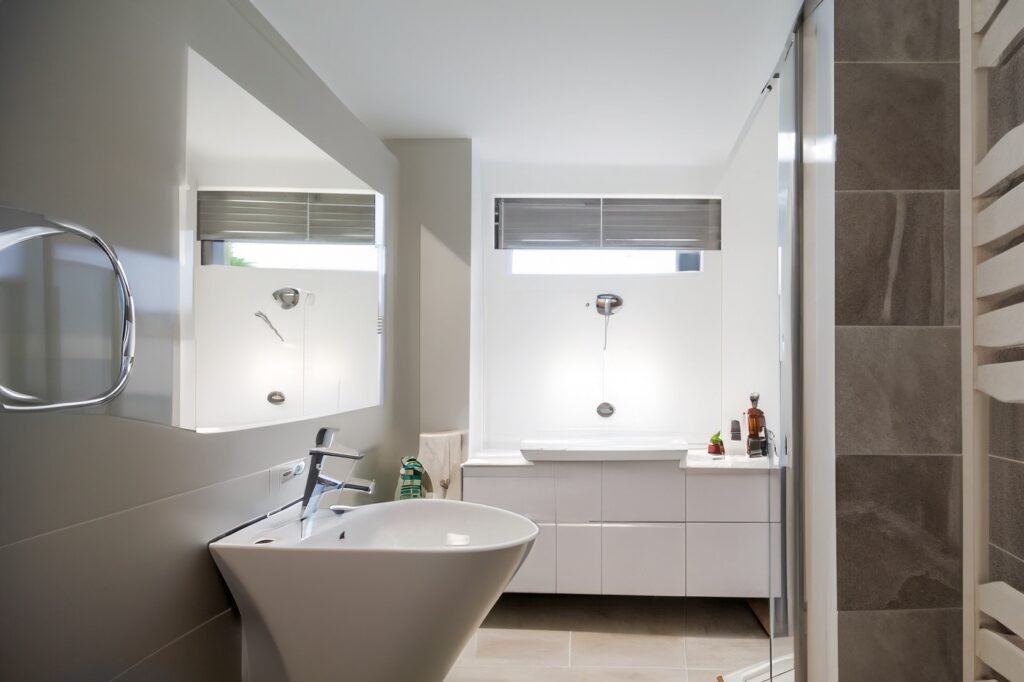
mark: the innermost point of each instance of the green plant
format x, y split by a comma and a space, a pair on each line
716, 439
233, 260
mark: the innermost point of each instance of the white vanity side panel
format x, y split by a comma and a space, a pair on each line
537, 574
727, 497
727, 559
532, 497
775, 492
578, 492
775, 535
643, 491
644, 559
579, 566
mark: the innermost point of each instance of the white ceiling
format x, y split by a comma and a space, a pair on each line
610, 82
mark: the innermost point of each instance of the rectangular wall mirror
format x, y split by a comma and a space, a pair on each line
282, 268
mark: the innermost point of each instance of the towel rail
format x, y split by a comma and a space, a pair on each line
1002, 654
992, 277
35, 226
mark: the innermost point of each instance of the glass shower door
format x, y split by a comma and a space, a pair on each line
784, 478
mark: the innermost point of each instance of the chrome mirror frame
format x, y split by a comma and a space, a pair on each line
37, 226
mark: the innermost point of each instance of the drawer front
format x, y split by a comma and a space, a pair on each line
578, 492
643, 491
727, 559
643, 559
733, 497
537, 574
579, 558
534, 498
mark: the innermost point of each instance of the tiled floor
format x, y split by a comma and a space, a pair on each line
575, 638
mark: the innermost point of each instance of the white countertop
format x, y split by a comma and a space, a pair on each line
694, 460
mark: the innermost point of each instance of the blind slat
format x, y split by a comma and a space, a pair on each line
287, 216
593, 223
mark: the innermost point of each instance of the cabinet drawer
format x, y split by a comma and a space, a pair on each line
578, 492
643, 491
537, 574
733, 496
727, 559
534, 498
579, 558
643, 559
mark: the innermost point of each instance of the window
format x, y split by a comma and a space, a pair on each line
593, 235
292, 230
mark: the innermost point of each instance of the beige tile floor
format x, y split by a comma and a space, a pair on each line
576, 638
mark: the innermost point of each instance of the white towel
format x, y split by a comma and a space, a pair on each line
442, 455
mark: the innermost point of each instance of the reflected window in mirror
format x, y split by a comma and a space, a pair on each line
288, 305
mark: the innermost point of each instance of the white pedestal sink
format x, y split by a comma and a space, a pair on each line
389, 592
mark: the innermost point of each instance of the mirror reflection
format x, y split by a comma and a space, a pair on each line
286, 253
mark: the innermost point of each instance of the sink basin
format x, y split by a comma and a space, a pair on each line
386, 592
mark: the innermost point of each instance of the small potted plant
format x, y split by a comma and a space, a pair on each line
716, 446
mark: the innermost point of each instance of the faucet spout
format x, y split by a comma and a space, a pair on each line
317, 482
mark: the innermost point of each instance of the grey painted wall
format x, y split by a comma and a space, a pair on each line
103, 565
898, 436
437, 205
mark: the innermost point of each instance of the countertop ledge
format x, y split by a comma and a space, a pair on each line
697, 461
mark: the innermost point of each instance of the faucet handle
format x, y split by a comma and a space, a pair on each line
359, 485
342, 452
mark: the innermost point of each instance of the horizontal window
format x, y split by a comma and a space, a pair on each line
575, 223
286, 216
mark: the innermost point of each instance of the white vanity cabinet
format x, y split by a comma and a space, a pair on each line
578, 568
643, 559
643, 491
528, 490
729, 530
537, 574
636, 527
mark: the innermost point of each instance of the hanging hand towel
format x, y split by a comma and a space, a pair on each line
410, 479
441, 455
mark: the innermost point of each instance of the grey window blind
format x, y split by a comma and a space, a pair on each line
286, 216
596, 223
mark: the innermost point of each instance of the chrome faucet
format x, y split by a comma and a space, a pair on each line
318, 483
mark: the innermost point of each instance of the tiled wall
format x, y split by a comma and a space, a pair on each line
898, 474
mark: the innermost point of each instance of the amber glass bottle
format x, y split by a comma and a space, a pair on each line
757, 432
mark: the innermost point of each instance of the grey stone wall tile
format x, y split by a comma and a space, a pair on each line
1006, 430
893, 259
1005, 567
901, 646
1006, 502
910, 30
1005, 97
898, 390
899, 532
897, 126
